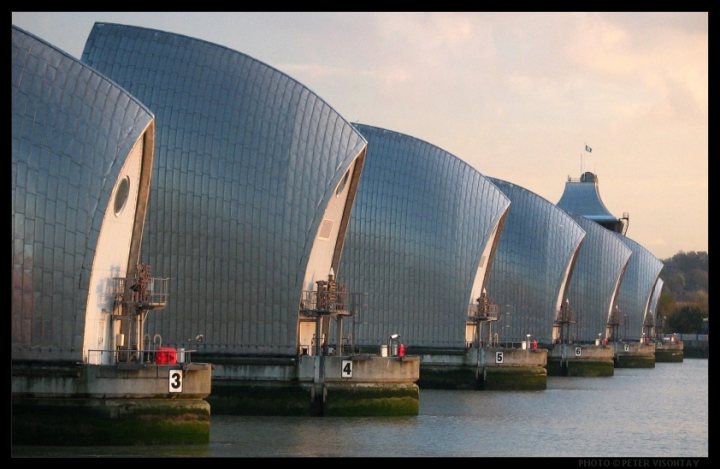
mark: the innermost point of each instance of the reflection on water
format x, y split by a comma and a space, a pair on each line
661, 412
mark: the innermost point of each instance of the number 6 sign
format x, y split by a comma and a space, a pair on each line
175, 381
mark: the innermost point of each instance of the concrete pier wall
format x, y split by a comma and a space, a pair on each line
634, 355
514, 369
495, 368
448, 370
695, 345
136, 381
669, 352
581, 360
75, 404
312, 385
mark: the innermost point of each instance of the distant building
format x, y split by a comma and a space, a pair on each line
533, 265
582, 197
253, 182
82, 151
421, 239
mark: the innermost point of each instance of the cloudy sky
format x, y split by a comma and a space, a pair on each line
516, 95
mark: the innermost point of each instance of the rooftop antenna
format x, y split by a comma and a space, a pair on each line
588, 149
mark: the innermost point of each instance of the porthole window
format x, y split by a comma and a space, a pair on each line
121, 195
342, 184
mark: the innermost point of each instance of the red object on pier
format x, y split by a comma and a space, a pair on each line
401, 350
166, 356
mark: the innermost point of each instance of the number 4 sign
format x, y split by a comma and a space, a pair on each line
175, 381
346, 369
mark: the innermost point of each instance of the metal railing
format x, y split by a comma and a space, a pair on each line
328, 302
483, 312
112, 357
154, 292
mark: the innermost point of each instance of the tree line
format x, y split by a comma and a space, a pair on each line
683, 304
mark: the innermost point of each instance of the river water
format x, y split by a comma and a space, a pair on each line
661, 412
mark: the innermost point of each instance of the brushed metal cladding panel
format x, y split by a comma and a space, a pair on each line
72, 129
246, 160
657, 291
596, 279
636, 288
538, 245
421, 220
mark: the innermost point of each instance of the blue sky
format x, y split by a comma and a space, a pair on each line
516, 95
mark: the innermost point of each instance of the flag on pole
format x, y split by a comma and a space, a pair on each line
588, 149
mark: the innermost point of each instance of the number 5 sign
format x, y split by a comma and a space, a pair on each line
175, 381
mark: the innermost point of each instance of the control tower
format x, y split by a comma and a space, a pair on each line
582, 197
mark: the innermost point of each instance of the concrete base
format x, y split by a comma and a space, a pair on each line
495, 368
669, 352
448, 377
371, 400
519, 378
580, 368
696, 345
235, 397
85, 422
634, 355
521, 370
310, 385
448, 369
581, 360
75, 404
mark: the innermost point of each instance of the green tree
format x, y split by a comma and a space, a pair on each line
697, 280
686, 281
674, 283
686, 320
666, 305
699, 298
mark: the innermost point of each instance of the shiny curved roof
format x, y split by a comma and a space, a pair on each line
596, 279
637, 287
657, 291
583, 198
246, 160
533, 264
72, 129
421, 221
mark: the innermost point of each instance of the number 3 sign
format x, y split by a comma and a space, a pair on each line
175, 381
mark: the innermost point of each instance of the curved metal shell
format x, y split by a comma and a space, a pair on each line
419, 242
596, 280
534, 263
247, 162
636, 288
72, 132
